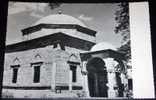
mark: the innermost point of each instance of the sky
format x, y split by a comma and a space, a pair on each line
96, 16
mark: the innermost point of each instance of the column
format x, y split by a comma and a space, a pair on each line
111, 84
85, 77
123, 78
110, 64
53, 72
86, 86
125, 82
70, 80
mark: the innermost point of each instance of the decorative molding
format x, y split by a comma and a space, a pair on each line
32, 29
16, 59
67, 87
41, 87
111, 54
14, 66
27, 87
38, 55
76, 63
36, 63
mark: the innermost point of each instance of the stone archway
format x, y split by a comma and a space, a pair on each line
97, 77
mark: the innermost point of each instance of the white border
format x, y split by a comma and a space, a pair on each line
142, 68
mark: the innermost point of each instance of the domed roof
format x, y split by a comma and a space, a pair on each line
60, 19
103, 46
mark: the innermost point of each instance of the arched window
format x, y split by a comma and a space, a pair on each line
73, 69
73, 63
36, 64
15, 66
36, 67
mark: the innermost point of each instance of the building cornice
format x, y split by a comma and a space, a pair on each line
50, 40
38, 27
107, 52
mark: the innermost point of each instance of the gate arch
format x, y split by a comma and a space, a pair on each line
97, 77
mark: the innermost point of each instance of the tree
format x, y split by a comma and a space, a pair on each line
122, 27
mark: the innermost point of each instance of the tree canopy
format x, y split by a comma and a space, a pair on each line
122, 28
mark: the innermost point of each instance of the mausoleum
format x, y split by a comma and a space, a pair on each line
59, 57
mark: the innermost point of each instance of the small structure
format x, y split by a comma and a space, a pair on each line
106, 71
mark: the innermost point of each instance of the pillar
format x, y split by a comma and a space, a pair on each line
70, 80
124, 81
123, 78
53, 72
110, 64
85, 79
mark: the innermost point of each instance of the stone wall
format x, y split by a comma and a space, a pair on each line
48, 55
12, 93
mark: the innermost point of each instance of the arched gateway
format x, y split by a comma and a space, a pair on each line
105, 73
97, 77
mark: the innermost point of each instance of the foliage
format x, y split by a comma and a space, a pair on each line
122, 19
122, 27
126, 50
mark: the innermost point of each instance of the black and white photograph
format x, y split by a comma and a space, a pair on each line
68, 50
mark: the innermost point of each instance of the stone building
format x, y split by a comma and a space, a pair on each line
59, 57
